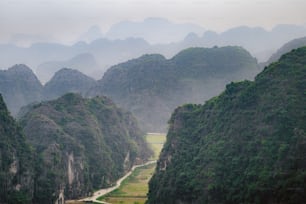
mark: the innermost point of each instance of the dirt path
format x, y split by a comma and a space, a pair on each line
104, 191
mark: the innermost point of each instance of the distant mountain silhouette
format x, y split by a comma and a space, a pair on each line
56, 56
92, 34
259, 42
84, 62
153, 30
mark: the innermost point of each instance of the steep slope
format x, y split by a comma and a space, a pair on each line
81, 145
293, 44
16, 166
65, 81
245, 146
152, 86
19, 86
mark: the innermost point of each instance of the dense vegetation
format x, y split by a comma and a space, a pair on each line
70, 147
152, 86
16, 166
81, 145
247, 145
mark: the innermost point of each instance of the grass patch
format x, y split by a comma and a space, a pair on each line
156, 142
134, 189
155, 138
133, 200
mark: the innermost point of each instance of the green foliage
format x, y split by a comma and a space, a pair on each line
15, 161
90, 138
19, 197
67, 80
245, 146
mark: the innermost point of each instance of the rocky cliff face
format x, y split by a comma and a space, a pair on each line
19, 86
245, 146
81, 145
16, 161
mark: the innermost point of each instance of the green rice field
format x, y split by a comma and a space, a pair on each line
134, 189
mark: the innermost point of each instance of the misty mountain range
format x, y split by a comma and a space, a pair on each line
150, 86
20, 86
104, 50
153, 30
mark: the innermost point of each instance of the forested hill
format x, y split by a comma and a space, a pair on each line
80, 145
67, 80
247, 145
19, 86
152, 86
16, 161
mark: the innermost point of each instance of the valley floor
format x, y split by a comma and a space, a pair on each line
133, 187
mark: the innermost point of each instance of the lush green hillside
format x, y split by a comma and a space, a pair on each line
247, 145
152, 86
81, 145
16, 166
19, 86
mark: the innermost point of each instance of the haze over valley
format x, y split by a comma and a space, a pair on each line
152, 102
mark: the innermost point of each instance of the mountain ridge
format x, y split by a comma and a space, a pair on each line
67, 80
152, 86
19, 86
109, 52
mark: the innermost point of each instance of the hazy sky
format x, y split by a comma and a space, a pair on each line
67, 19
